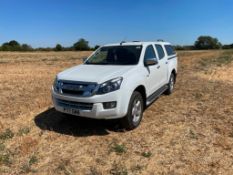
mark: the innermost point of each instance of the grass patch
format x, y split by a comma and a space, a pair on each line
198, 95
27, 167
5, 156
118, 169
7, 134
94, 171
118, 148
137, 168
64, 167
32, 160
193, 135
2, 147
5, 159
147, 154
224, 58
23, 131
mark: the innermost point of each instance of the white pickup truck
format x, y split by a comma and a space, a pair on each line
117, 81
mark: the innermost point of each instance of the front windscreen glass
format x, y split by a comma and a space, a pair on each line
116, 55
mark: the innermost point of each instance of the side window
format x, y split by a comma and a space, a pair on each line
160, 51
169, 49
149, 53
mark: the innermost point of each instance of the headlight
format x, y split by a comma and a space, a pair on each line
56, 85
109, 86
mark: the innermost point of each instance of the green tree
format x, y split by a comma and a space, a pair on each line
14, 46
227, 46
14, 43
96, 47
26, 47
207, 42
5, 47
82, 44
58, 47
11, 46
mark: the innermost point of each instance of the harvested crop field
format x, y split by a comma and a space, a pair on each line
188, 132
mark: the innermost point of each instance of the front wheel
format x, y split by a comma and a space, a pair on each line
135, 111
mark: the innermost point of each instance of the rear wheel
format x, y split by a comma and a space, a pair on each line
170, 85
135, 111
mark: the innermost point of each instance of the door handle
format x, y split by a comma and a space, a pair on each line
166, 62
158, 67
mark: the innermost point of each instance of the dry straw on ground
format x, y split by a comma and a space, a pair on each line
189, 132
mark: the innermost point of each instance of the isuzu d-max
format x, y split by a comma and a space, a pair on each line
117, 81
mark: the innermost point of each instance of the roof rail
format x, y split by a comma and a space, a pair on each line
160, 40
136, 41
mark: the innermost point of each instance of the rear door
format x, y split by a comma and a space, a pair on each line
163, 65
170, 57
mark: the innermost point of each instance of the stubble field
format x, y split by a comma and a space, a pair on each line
188, 132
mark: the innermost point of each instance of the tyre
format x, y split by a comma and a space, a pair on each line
170, 85
135, 111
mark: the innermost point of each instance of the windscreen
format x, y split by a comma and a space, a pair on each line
116, 55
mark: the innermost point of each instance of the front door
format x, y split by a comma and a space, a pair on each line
153, 71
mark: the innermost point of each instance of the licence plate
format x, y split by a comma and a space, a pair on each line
71, 111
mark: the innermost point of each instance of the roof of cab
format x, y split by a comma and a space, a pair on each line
133, 43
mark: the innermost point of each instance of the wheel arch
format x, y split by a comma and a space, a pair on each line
175, 73
142, 91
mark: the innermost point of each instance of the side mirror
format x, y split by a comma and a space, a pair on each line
150, 62
84, 60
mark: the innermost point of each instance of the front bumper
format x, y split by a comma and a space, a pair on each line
91, 107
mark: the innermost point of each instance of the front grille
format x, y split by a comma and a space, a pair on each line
77, 88
74, 105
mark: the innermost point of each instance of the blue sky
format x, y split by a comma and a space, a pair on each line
45, 23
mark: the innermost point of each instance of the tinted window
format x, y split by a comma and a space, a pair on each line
169, 50
116, 55
149, 53
160, 51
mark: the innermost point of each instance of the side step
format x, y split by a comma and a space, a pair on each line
156, 94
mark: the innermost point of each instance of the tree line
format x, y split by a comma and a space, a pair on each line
202, 43
80, 45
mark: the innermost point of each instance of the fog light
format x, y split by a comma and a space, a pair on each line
109, 105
